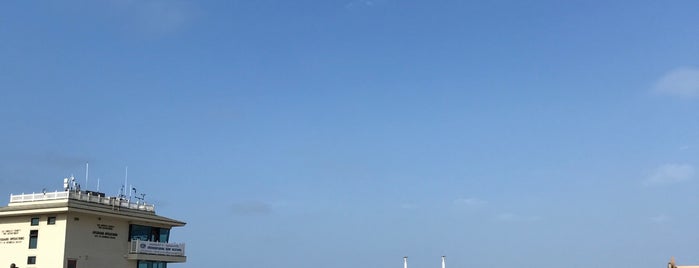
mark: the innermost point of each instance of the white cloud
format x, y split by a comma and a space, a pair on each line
670, 173
469, 202
681, 82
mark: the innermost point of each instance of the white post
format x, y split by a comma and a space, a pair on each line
126, 180
405, 262
87, 174
444, 263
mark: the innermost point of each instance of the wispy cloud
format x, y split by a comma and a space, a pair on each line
469, 202
670, 173
251, 208
681, 82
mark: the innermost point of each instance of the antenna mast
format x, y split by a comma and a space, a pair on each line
122, 191
87, 173
126, 180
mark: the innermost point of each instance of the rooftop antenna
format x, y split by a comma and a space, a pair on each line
66, 185
444, 263
405, 262
98, 184
87, 173
671, 264
141, 198
126, 181
122, 191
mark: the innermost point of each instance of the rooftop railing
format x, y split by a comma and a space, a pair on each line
83, 196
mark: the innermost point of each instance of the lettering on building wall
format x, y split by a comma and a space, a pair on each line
105, 234
105, 227
10, 232
12, 239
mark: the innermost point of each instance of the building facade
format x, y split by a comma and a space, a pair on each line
83, 229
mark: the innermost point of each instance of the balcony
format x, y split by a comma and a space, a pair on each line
156, 251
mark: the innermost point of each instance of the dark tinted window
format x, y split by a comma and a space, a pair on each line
164, 235
139, 232
152, 264
33, 238
147, 233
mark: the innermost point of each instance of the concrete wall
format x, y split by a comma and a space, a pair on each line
97, 241
14, 241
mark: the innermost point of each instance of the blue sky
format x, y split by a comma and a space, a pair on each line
349, 133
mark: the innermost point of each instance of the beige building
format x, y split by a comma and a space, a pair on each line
672, 264
83, 229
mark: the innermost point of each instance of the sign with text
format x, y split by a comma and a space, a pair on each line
11, 237
156, 248
105, 231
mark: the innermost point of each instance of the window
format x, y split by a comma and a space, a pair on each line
164, 235
147, 233
35, 221
72, 263
51, 221
31, 260
33, 238
139, 232
152, 264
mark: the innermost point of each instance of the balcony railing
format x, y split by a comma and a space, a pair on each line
83, 196
157, 248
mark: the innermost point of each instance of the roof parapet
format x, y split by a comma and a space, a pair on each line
91, 197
